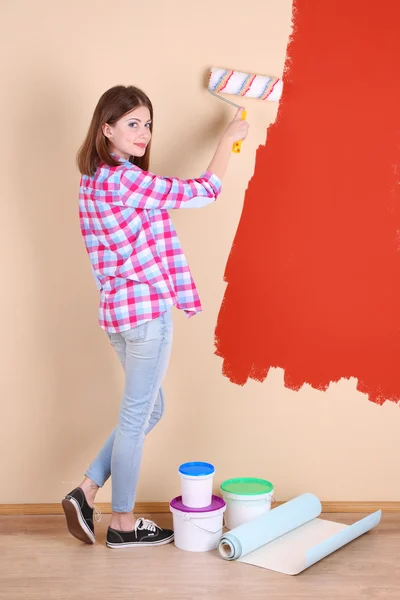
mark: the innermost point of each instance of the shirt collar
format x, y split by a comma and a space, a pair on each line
119, 158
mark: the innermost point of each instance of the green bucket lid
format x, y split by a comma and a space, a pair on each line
247, 486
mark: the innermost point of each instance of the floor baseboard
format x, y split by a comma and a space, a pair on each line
163, 507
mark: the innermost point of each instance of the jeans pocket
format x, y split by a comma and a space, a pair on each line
136, 334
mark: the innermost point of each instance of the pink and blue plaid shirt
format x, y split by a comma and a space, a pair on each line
136, 256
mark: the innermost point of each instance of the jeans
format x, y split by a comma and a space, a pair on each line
144, 352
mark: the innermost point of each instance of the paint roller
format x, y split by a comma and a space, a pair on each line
245, 85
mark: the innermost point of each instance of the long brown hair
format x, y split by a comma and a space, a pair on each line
113, 104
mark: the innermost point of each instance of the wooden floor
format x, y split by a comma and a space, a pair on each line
39, 560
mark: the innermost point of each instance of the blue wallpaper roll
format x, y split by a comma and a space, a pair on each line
291, 538
269, 526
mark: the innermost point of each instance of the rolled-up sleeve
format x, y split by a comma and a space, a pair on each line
144, 190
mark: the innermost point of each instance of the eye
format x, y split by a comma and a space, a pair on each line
148, 125
132, 124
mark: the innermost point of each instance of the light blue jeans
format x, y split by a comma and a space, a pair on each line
144, 352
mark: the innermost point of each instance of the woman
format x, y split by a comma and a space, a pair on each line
141, 272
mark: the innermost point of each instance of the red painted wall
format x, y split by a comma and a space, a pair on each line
314, 272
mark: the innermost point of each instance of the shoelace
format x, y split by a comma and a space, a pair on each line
146, 524
96, 514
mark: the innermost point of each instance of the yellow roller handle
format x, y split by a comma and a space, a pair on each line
237, 145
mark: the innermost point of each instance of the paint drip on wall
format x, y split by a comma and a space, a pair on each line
314, 272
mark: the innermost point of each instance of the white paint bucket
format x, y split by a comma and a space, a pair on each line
196, 484
246, 499
198, 530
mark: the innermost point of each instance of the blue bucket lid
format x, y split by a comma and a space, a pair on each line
196, 469
216, 504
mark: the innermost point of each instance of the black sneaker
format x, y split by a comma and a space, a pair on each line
79, 516
146, 533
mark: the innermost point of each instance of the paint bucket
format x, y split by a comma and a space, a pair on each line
246, 498
196, 483
198, 529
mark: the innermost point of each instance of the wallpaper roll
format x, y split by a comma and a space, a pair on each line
290, 538
249, 85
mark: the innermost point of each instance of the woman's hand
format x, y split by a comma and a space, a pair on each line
237, 129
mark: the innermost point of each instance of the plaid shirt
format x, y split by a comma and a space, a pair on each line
136, 256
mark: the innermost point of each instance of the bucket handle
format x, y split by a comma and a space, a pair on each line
206, 530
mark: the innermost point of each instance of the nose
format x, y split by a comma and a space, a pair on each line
145, 133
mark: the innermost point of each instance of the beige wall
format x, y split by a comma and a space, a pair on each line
61, 383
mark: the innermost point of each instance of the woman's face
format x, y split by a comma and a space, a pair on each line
131, 134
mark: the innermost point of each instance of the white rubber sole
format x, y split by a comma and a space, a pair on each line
75, 522
140, 544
